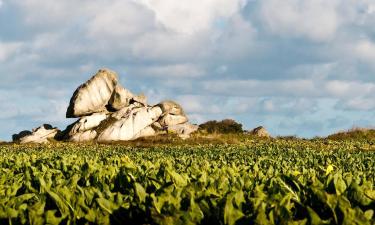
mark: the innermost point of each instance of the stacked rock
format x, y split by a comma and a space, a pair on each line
109, 112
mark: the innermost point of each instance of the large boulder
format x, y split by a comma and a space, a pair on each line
130, 126
93, 96
171, 107
146, 132
141, 99
124, 112
183, 130
83, 129
40, 134
87, 123
122, 97
170, 120
173, 114
260, 132
24, 133
88, 135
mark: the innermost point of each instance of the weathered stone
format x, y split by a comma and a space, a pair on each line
260, 132
183, 130
120, 98
170, 120
140, 99
109, 112
93, 96
157, 126
146, 132
171, 107
17, 137
87, 123
87, 135
124, 112
40, 134
128, 128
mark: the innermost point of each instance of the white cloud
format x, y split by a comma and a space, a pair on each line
269, 106
360, 104
365, 50
317, 20
348, 89
143, 30
172, 71
164, 46
309, 88
259, 88
8, 49
192, 16
120, 20
50, 13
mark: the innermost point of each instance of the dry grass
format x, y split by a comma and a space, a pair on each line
358, 133
195, 139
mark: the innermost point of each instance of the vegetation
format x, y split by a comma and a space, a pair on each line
354, 134
256, 181
225, 126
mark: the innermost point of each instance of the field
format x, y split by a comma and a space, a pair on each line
249, 181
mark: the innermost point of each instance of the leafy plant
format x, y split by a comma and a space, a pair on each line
252, 182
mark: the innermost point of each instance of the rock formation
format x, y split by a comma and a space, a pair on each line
106, 112
17, 137
109, 112
260, 132
93, 96
37, 135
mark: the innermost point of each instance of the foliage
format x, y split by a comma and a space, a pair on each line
354, 134
253, 182
225, 126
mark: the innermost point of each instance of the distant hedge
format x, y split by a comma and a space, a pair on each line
225, 126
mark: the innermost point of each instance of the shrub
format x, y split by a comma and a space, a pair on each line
225, 126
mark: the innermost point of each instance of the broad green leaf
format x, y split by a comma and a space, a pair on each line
140, 192
231, 212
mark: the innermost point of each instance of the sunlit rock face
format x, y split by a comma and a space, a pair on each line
171, 107
93, 96
85, 136
87, 122
133, 125
121, 97
260, 132
183, 130
107, 111
39, 135
173, 114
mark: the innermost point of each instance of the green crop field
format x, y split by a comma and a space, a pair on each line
251, 182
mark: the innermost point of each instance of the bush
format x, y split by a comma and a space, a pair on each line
224, 127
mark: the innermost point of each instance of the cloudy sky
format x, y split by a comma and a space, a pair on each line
304, 67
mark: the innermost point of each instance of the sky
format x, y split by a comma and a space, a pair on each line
297, 67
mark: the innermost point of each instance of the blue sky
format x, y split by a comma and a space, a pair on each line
295, 66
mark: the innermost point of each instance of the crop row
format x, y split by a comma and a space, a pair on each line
257, 182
